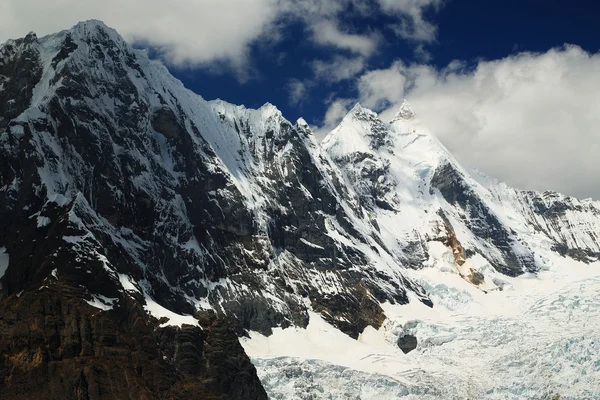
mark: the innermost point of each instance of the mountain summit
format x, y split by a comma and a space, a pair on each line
405, 111
144, 228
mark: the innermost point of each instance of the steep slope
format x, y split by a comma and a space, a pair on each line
418, 193
120, 188
74, 315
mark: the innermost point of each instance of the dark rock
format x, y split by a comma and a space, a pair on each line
20, 71
407, 343
57, 347
482, 221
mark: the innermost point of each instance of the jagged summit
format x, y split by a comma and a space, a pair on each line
91, 26
84, 30
302, 123
360, 131
405, 112
358, 109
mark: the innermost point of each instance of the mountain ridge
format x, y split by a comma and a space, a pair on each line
176, 206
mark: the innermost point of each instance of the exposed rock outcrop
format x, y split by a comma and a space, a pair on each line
55, 346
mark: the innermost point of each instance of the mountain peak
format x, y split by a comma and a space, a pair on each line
94, 28
405, 112
359, 109
91, 23
301, 122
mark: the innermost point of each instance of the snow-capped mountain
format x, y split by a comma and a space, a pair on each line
129, 202
419, 193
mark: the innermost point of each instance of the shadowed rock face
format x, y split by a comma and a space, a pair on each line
55, 346
52, 343
481, 221
20, 71
116, 165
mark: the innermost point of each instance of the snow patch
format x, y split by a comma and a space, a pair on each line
102, 302
4, 261
127, 284
309, 244
59, 199
43, 221
158, 311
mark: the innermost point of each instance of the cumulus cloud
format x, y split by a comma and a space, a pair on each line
421, 54
380, 88
530, 119
336, 111
186, 31
326, 32
339, 68
200, 32
413, 24
297, 92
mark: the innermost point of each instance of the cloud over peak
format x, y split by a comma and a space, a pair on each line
530, 119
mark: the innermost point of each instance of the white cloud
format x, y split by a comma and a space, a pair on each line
421, 54
326, 32
532, 120
297, 92
200, 32
339, 68
377, 89
336, 111
413, 24
187, 31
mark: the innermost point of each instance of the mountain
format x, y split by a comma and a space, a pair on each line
420, 193
144, 229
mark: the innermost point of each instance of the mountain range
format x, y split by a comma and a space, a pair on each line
145, 229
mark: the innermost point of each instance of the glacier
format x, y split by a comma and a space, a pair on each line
536, 339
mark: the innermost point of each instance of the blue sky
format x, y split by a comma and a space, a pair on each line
467, 30
511, 87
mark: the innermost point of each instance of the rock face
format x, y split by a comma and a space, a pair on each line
118, 172
123, 195
407, 343
54, 346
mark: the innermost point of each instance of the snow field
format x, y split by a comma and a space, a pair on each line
536, 338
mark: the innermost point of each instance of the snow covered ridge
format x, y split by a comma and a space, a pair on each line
116, 178
419, 193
